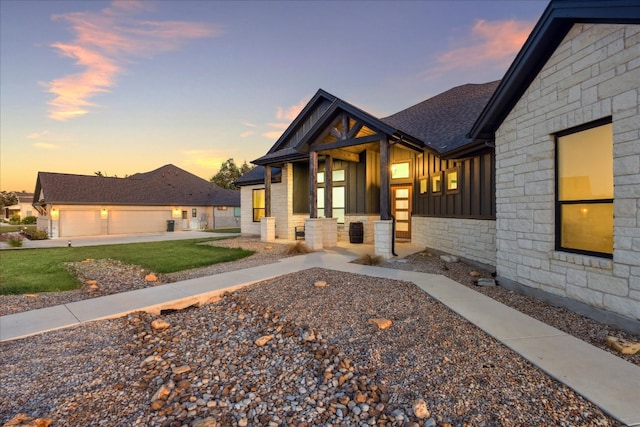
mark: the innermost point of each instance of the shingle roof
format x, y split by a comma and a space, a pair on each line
443, 121
167, 185
256, 176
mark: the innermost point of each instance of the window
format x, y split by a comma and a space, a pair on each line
337, 202
236, 211
338, 175
194, 213
423, 185
258, 204
452, 180
584, 196
400, 170
320, 178
436, 184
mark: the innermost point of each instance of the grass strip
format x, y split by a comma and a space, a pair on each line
43, 270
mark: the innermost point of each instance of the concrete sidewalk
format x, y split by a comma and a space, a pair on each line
606, 380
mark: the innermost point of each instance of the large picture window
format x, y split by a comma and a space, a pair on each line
584, 196
258, 204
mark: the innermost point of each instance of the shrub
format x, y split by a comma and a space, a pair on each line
297, 249
369, 260
34, 234
15, 219
30, 220
14, 239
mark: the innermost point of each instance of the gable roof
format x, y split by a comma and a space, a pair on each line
439, 123
167, 185
554, 24
314, 118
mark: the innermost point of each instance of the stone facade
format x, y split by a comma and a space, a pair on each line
473, 239
593, 74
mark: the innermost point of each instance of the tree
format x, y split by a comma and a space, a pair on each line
8, 198
229, 172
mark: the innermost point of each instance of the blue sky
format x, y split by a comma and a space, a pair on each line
124, 87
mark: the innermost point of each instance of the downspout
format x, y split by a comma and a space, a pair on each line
393, 235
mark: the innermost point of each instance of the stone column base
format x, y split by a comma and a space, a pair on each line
268, 229
383, 238
330, 232
313, 230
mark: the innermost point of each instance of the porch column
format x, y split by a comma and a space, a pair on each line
328, 185
313, 184
385, 215
267, 190
382, 230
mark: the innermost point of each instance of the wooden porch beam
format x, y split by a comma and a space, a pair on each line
267, 191
346, 143
385, 213
313, 184
343, 155
328, 186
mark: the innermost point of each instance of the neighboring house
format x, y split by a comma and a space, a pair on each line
82, 205
565, 121
537, 175
20, 210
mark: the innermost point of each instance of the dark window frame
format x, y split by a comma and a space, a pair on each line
559, 203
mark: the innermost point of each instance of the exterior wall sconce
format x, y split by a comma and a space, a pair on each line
104, 214
176, 213
55, 213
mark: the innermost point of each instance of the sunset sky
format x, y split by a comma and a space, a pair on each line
124, 87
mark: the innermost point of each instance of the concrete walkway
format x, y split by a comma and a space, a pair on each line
606, 380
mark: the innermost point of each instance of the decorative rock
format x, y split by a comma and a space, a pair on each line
263, 340
25, 420
623, 346
162, 393
420, 409
474, 274
320, 284
160, 324
31, 295
91, 283
449, 258
486, 282
181, 369
380, 323
207, 422
151, 277
88, 260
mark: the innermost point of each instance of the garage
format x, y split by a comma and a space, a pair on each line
79, 223
139, 221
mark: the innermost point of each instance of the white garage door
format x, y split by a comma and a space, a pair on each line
128, 222
79, 223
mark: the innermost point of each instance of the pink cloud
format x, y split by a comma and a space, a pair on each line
492, 44
104, 42
292, 112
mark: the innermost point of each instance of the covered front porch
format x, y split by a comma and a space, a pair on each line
336, 162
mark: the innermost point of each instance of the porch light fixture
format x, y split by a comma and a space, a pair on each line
55, 213
176, 213
104, 214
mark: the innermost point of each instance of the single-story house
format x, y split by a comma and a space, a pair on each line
22, 209
165, 199
512, 173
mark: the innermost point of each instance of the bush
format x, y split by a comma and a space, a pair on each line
297, 249
14, 239
15, 219
30, 220
34, 234
369, 260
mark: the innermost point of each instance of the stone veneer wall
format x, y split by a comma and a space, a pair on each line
473, 239
367, 227
593, 74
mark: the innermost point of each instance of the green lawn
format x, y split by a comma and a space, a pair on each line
42, 270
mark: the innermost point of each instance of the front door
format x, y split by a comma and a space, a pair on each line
401, 210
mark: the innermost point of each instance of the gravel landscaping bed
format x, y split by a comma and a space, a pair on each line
321, 360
